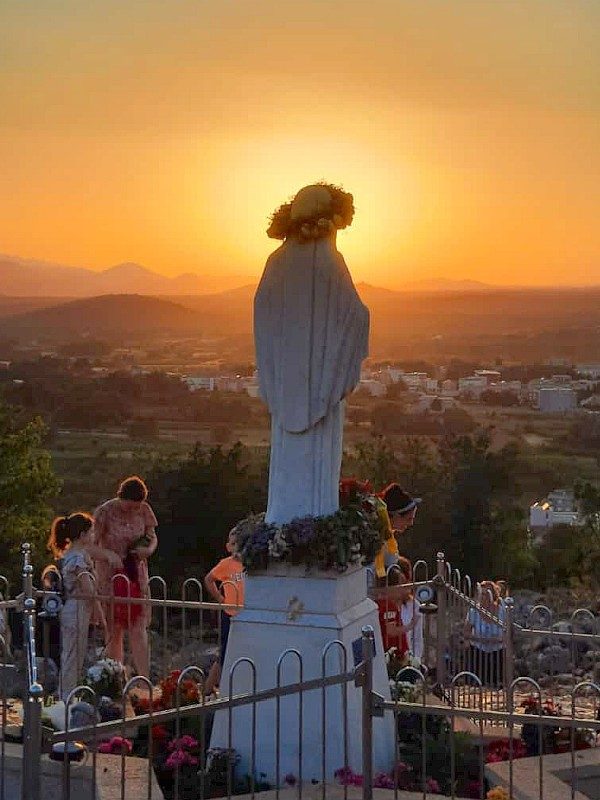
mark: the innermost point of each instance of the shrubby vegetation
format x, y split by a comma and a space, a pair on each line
474, 495
27, 488
74, 396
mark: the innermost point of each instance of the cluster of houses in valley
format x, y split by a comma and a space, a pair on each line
557, 394
554, 395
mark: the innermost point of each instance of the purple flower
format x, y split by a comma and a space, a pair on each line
300, 531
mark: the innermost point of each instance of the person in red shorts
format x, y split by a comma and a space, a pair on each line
389, 599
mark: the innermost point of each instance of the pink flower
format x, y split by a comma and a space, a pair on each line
116, 746
181, 758
383, 781
290, 779
473, 789
432, 786
184, 743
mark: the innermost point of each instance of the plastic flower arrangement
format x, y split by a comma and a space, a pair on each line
353, 535
183, 752
499, 750
497, 793
116, 746
402, 777
106, 678
189, 690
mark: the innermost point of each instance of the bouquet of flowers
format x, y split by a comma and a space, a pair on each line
106, 678
353, 535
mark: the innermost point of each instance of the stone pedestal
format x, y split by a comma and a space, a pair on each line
289, 609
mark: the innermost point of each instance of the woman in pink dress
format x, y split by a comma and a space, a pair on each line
126, 526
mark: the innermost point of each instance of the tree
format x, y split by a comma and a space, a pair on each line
197, 501
458, 422
481, 491
27, 486
373, 460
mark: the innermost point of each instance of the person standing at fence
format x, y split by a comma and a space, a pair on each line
126, 526
411, 618
484, 637
225, 584
71, 542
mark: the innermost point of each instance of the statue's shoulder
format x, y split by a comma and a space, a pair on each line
274, 268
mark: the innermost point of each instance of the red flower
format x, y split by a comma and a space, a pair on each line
159, 733
351, 488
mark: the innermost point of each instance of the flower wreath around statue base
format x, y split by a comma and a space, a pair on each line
354, 535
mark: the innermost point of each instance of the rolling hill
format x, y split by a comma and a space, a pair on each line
106, 316
527, 324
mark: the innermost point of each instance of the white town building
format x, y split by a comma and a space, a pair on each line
490, 375
557, 400
200, 383
473, 386
396, 374
559, 508
589, 370
373, 387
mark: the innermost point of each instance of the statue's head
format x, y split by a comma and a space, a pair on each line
316, 212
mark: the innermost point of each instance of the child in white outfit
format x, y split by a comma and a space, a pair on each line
71, 540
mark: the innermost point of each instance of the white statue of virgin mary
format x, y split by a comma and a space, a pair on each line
311, 332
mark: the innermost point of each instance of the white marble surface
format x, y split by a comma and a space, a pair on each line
306, 614
311, 332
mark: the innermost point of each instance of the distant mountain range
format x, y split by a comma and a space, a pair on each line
22, 277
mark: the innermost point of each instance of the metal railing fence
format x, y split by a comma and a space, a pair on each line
468, 699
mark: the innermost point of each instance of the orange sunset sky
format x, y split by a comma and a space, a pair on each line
165, 132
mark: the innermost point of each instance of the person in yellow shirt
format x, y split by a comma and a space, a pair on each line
396, 511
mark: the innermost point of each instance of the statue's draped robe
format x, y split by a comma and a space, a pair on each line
311, 332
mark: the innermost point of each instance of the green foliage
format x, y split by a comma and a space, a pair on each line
566, 559
198, 500
441, 745
470, 497
350, 536
27, 487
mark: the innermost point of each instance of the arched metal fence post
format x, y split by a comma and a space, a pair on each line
509, 643
441, 621
32, 711
366, 684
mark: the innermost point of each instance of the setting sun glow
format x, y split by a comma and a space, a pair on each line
166, 134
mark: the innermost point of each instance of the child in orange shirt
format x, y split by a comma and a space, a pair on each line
225, 584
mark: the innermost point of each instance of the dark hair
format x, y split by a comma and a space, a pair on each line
133, 488
397, 500
68, 529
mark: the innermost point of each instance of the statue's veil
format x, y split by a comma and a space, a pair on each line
306, 296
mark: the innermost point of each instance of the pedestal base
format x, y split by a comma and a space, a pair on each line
305, 613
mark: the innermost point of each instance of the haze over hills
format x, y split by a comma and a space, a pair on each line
509, 324
21, 277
